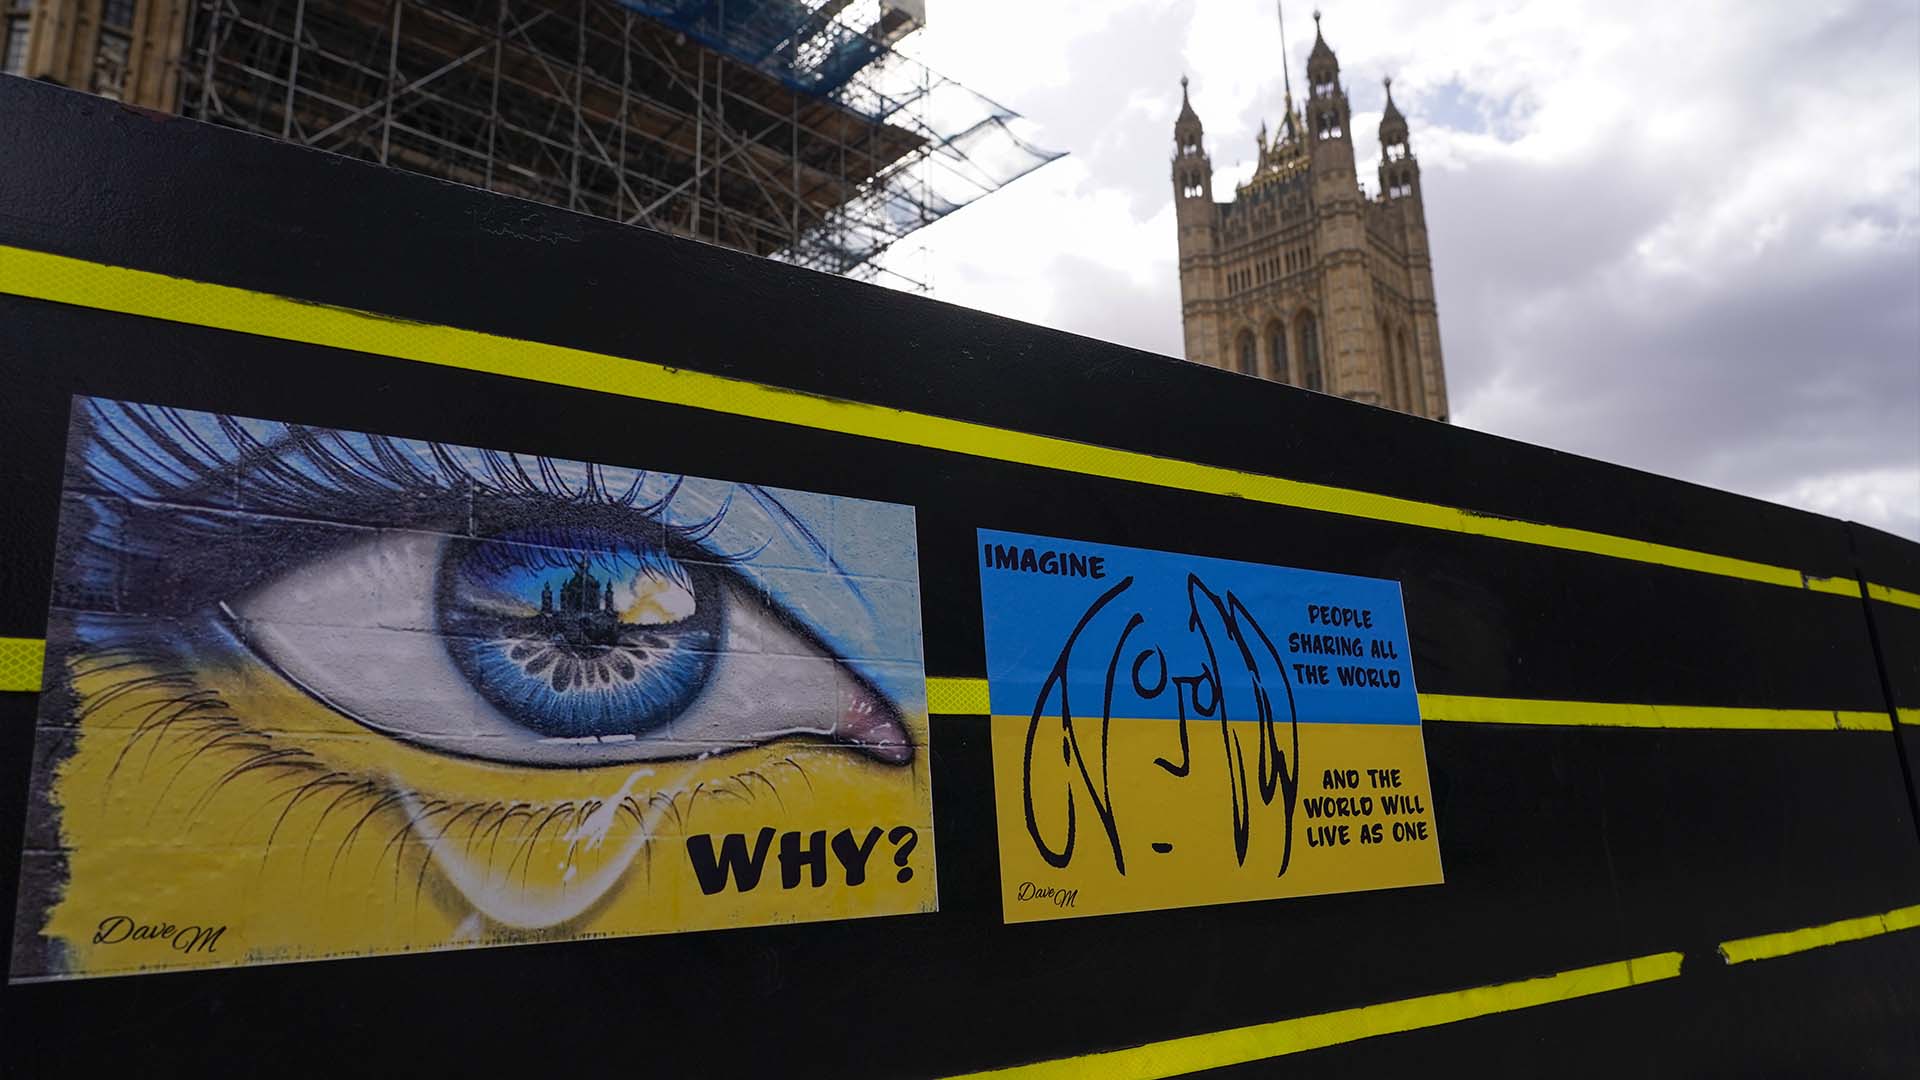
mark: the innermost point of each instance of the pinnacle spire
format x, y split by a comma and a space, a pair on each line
1319, 39
1393, 125
1322, 67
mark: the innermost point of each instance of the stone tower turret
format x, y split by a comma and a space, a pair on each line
1341, 234
1327, 113
1422, 374
1195, 216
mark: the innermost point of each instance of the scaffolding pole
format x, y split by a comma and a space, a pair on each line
611, 109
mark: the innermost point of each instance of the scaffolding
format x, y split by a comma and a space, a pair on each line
787, 128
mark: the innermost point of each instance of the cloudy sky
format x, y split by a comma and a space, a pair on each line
1679, 236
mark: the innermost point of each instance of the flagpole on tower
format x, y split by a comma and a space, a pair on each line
1286, 76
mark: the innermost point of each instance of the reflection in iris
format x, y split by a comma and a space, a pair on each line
576, 633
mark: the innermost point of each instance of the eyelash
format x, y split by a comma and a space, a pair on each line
296, 512
180, 712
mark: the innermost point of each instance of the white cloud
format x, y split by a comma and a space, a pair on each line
1680, 237
1883, 498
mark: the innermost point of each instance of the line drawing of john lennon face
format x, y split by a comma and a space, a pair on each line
460, 695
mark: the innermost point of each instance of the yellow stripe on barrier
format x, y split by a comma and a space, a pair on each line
957, 697
1891, 595
1483, 710
135, 292
21, 663
968, 697
20, 660
1788, 942
1259, 1042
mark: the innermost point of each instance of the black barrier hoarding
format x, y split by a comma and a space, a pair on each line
263, 401
1887, 566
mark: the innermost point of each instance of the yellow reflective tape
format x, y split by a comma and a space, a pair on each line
1891, 595
1787, 942
968, 697
1834, 586
21, 661
1259, 1042
1483, 710
957, 697
136, 292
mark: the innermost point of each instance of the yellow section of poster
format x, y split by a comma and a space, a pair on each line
1143, 825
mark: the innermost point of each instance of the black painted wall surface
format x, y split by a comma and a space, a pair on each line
1895, 629
1564, 847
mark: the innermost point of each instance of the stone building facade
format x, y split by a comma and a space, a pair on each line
128, 50
1302, 278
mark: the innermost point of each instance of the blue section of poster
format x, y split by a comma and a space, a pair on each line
1128, 632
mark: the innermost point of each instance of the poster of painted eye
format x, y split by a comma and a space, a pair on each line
1171, 730
316, 693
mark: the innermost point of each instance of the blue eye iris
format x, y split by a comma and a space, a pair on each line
576, 632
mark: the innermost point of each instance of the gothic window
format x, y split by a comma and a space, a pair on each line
19, 16
1248, 363
110, 65
1309, 334
1416, 385
110, 54
1391, 378
1405, 373
1192, 183
1277, 351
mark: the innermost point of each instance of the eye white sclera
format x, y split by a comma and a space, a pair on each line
358, 629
